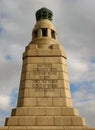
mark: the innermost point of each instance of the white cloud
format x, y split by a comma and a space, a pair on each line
84, 101
4, 102
2, 120
77, 69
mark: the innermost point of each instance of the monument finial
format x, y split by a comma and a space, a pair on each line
44, 13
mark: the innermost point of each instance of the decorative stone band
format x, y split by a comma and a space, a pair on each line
54, 50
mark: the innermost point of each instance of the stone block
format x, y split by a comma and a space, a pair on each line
52, 60
59, 102
66, 84
41, 102
30, 67
28, 75
68, 111
53, 111
28, 102
65, 68
36, 111
20, 102
63, 75
27, 121
55, 76
17, 128
33, 76
44, 42
45, 52
56, 52
21, 111
22, 84
37, 60
60, 83
62, 68
58, 67
45, 121
35, 93
23, 76
63, 60
13, 112
24, 55
27, 60
31, 47
32, 52
65, 93
78, 121
28, 83
75, 128
69, 102
55, 46
53, 93
6, 121
23, 93
12, 121
63, 121
24, 68
46, 128
4, 128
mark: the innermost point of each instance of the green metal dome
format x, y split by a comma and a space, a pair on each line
44, 13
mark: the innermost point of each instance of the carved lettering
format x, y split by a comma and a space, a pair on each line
44, 81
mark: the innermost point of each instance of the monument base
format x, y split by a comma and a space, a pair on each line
46, 128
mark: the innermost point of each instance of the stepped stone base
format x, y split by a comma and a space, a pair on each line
45, 116
46, 128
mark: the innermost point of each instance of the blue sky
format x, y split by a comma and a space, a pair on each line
75, 24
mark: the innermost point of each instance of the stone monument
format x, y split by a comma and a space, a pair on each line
44, 100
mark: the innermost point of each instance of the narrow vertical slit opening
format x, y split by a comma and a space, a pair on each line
53, 34
44, 32
35, 34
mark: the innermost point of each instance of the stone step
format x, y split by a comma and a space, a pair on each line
46, 128
44, 111
50, 92
44, 102
45, 121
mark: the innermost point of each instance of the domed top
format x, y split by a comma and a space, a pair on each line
44, 24
44, 13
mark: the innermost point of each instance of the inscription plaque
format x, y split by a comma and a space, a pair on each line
44, 82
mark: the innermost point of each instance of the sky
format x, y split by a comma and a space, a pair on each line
74, 21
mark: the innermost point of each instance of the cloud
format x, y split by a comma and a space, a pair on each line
75, 24
4, 102
77, 68
2, 120
81, 101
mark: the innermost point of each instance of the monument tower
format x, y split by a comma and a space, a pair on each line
44, 100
